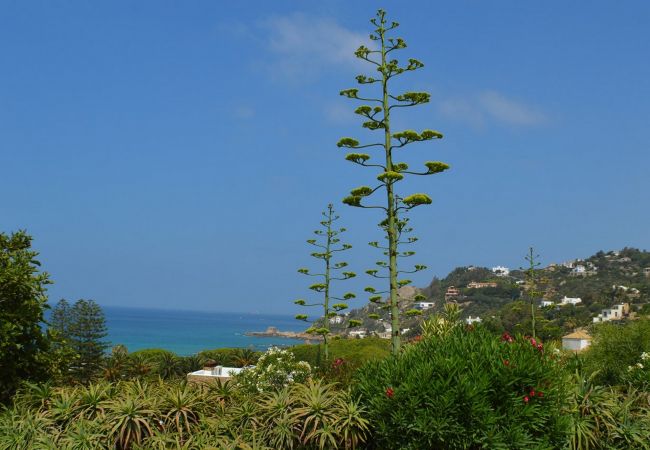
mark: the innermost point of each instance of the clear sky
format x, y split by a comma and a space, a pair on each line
178, 154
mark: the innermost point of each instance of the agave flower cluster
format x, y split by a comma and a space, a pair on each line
275, 369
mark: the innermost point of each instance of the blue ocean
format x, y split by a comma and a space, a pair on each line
188, 332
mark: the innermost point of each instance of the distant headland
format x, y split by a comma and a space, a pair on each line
274, 332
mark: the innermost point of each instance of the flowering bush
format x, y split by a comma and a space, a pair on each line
466, 389
275, 369
638, 375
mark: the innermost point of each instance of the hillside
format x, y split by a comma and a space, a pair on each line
600, 281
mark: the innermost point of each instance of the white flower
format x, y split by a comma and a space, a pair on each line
629, 368
639, 365
644, 356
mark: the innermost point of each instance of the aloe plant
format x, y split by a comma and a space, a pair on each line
378, 113
328, 247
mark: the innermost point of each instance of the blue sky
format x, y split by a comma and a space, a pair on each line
178, 154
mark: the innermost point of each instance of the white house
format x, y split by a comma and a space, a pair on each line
424, 305
571, 300
470, 320
358, 333
616, 312
336, 319
576, 341
501, 271
546, 303
579, 269
210, 374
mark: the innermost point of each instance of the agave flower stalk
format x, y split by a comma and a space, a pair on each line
328, 246
378, 117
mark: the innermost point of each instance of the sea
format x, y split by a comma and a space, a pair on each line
188, 332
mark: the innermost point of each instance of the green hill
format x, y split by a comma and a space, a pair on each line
600, 281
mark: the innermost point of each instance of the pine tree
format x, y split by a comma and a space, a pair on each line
86, 331
328, 246
378, 114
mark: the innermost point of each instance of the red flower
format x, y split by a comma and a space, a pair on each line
506, 362
532, 393
526, 399
505, 337
417, 338
540, 394
533, 342
390, 392
337, 362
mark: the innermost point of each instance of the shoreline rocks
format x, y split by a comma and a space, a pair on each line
274, 332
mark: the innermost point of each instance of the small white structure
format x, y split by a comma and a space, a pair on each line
384, 334
336, 319
546, 303
359, 334
501, 271
424, 305
576, 341
579, 269
212, 374
571, 300
470, 320
617, 312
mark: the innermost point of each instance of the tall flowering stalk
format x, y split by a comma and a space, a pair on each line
328, 245
377, 114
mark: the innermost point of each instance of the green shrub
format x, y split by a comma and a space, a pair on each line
614, 348
466, 389
638, 374
231, 357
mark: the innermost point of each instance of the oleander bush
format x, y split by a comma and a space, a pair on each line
466, 388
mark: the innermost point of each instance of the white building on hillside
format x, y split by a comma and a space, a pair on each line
546, 303
571, 300
336, 319
501, 271
616, 312
424, 305
360, 334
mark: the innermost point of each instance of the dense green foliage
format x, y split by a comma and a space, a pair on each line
24, 346
346, 356
466, 389
163, 415
616, 348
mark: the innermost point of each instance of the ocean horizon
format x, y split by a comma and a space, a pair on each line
188, 332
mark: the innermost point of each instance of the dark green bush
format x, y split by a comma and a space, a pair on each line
346, 356
466, 389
